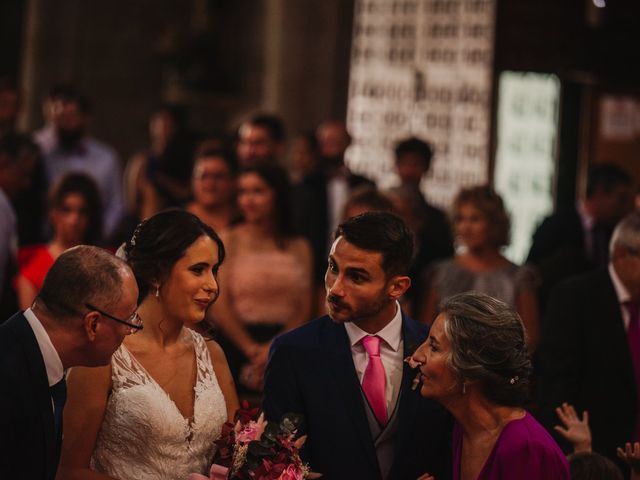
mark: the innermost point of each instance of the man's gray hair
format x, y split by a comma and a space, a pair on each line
627, 233
82, 274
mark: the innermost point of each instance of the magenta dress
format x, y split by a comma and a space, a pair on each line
524, 450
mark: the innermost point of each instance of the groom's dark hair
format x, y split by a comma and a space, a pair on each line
382, 232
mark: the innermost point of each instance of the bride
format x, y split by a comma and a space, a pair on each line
155, 411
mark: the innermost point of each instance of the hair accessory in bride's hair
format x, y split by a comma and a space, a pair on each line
132, 242
121, 253
514, 380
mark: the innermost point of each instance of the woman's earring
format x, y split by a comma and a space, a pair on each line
464, 388
158, 291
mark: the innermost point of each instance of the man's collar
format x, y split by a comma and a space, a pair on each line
391, 333
621, 291
52, 362
586, 218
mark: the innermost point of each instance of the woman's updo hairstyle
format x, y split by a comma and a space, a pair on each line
488, 344
160, 241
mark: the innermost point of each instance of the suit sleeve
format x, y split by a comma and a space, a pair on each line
281, 389
543, 241
11, 443
560, 353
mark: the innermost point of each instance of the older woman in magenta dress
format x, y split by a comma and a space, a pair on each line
475, 363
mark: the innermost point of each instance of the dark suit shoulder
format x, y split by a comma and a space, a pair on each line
307, 335
359, 181
584, 283
559, 229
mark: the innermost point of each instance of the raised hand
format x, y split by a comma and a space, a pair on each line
631, 455
575, 430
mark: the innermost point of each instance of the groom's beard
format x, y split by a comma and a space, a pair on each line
354, 315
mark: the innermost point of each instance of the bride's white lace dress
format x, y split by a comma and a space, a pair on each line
144, 435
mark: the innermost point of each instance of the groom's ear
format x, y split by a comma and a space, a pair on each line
397, 286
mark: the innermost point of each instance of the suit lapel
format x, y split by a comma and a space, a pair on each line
349, 387
409, 400
612, 315
39, 385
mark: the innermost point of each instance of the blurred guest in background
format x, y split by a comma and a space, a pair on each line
29, 203
214, 188
365, 199
433, 239
320, 197
67, 147
413, 159
267, 275
482, 227
160, 177
17, 162
9, 104
261, 141
75, 214
476, 364
589, 351
304, 156
576, 240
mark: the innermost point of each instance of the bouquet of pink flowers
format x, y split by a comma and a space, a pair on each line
254, 449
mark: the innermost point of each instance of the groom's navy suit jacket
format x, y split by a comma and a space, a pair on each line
28, 447
311, 372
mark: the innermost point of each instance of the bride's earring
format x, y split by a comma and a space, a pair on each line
464, 388
158, 291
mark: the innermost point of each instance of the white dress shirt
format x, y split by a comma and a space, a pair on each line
52, 362
622, 293
391, 354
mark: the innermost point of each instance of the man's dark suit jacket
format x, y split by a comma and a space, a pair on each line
559, 251
311, 372
584, 359
311, 213
28, 447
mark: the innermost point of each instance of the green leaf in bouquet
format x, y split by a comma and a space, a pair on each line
258, 449
291, 422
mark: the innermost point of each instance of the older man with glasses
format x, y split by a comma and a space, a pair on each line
63, 328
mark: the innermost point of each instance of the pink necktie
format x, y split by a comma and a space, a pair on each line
633, 337
374, 380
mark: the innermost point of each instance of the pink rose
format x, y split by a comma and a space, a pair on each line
250, 432
291, 473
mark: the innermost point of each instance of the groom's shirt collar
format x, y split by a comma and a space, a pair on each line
52, 362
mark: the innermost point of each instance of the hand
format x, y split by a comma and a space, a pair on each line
257, 353
252, 377
261, 355
631, 455
575, 430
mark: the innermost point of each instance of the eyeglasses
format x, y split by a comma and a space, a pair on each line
134, 322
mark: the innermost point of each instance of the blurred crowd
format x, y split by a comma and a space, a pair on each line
275, 200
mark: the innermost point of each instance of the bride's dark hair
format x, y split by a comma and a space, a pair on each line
160, 241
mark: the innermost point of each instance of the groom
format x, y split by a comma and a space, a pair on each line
67, 325
345, 373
